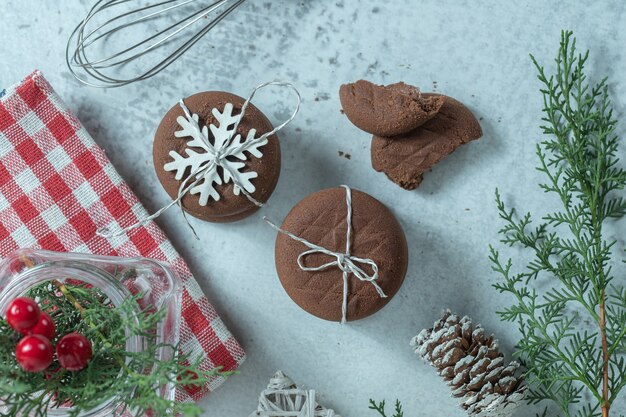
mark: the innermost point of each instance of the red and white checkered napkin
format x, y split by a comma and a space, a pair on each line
57, 187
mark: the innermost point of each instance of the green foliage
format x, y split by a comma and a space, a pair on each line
380, 408
568, 305
132, 378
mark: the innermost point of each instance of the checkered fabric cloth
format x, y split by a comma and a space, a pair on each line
57, 187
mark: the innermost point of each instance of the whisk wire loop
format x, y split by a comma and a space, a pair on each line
98, 26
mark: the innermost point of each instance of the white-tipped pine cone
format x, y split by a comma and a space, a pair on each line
473, 365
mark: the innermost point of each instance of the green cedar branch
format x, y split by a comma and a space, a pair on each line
569, 280
381, 408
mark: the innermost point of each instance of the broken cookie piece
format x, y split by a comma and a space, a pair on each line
405, 158
387, 110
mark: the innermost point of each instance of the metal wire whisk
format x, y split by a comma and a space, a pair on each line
127, 35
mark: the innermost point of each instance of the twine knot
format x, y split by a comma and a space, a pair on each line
219, 155
341, 261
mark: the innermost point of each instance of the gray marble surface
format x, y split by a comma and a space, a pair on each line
474, 51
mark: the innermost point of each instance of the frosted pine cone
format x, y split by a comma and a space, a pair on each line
473, 365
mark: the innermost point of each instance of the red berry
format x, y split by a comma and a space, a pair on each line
23, 314
45, 327
74, 351
34, 353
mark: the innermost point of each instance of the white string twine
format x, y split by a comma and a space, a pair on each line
346, 262
283, 398
215, 161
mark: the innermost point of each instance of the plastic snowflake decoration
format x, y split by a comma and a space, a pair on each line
215, 151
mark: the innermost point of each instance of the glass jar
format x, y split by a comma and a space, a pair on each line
118, 278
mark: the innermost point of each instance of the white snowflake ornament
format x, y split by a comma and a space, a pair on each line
205, 153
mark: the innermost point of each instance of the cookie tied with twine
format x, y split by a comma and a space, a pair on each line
217, 156
283, 398
341, 255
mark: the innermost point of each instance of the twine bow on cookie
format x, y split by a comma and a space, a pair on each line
346, 262
283, 398
215, 160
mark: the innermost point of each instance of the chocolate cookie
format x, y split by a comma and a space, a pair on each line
387, 110
405, 158
321, 219
177, 155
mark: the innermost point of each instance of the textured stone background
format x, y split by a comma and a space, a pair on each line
474, 51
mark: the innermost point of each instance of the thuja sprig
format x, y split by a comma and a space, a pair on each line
570, 281
381, 408
133, 379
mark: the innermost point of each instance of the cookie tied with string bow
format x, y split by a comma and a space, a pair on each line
341, 254
218, 165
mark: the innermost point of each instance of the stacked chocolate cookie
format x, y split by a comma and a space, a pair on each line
411, 131
341, 254
195, 148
